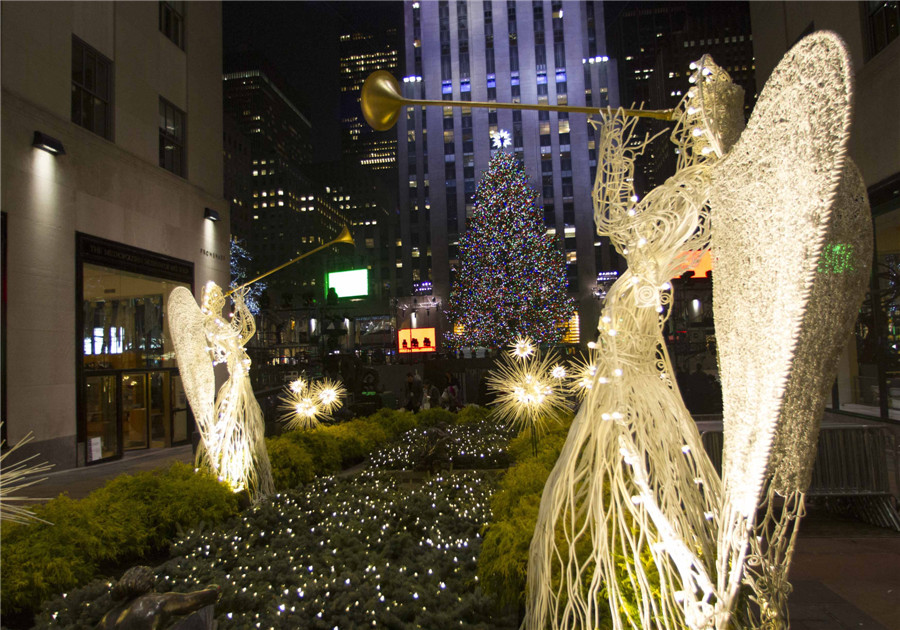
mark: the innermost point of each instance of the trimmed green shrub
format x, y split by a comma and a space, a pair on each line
395, 422
435, 416
292, 465
129, 516
300, 455
549, 444
471, 414
324, 449
503, 563
356, 439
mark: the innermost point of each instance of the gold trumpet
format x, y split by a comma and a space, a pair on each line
343, 237
381, 103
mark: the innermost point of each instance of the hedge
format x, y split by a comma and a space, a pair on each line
503, 563
131, 516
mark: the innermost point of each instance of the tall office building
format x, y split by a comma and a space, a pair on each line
238, 178
369, 208
289, 213
362, 53
654, 44
497, 50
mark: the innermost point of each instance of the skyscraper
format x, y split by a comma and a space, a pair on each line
504, 51
290, 213
654, 44
362, 53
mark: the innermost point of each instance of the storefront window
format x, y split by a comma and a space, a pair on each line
868, 381
132, 397
123, 320
102, 425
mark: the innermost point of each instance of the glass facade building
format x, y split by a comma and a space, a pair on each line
655, 43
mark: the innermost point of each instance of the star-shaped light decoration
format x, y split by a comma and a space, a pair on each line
522, 348
501, 139
306, 403
527, 396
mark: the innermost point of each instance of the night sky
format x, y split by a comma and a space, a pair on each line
300, 40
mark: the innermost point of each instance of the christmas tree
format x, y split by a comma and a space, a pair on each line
512, 279
240, 259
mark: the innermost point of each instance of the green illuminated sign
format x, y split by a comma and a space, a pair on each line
351, 283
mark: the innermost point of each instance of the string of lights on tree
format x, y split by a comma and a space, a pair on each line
512, 276
239, 262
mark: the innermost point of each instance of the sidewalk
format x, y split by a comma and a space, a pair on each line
79, 482
845, 573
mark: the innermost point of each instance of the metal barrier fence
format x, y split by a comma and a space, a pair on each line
851, 471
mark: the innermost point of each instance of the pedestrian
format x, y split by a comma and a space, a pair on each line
432, 397
450, 397
413, 392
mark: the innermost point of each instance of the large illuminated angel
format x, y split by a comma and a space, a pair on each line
634, 523
230, 423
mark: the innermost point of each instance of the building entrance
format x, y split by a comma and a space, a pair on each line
131, 395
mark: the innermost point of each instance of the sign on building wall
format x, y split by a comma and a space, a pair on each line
351, 283
415, 340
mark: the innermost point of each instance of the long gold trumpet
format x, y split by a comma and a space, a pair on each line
343, 237
381, 103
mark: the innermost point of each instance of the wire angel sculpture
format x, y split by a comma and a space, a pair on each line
231, 424
634, 522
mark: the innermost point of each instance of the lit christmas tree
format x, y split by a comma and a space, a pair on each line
240, 259
512, 277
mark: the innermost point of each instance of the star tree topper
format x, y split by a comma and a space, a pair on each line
501, 139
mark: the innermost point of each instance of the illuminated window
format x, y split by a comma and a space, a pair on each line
572, 333
883, 25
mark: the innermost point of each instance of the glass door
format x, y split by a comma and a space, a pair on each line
179, 411
102, 417
134, 411
160, 392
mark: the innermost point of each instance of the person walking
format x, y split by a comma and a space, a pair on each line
413, 392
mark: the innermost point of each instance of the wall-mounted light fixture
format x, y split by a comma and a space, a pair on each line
209, 213
48, 144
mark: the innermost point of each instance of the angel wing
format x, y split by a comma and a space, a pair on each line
771, 210
188, 329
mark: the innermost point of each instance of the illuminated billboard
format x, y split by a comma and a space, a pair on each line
351, 283
415, 340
